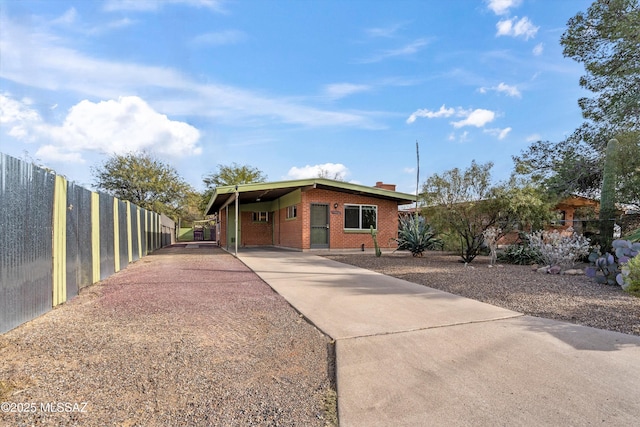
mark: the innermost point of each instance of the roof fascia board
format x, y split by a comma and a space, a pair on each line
305, 184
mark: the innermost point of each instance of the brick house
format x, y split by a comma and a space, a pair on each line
306, 214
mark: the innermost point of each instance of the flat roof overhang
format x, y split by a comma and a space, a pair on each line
270, 191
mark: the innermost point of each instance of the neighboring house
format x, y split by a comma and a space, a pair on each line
568, 214
307, 214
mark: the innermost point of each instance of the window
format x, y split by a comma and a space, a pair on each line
260, 216
292, 211
360, 217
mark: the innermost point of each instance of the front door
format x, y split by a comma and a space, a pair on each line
319, 225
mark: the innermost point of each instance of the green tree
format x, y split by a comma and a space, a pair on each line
465, 204
233, 174
144, 181
606, 40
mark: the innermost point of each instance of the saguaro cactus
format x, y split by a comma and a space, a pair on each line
608, 196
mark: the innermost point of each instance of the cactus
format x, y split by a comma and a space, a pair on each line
606, 265
607, 195
625, 250
374, 235
612, 266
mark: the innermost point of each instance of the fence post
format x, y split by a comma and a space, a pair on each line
129, 235
116, 236
95, 236
59, 249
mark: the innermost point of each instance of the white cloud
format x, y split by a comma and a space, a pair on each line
72, 21
69, 17
37, 61
409, 170
509, 90
514, 28
478, 118
18, 118
58, 154
423, 112
534, 137
503, 88
128, 124
219, 38
340, 90
407, 50
504, 132
385, 32
538, 49
501, 7
154, 5
122, 126
500, 133
327, 170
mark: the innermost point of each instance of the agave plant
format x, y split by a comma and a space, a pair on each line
416, 235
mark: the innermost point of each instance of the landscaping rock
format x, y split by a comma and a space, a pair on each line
556, 269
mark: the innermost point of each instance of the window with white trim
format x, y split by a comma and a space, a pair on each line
360, 217
260, 216
292, 211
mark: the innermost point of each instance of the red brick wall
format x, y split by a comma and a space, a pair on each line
256, 233
295, 233
338, 238
288, 232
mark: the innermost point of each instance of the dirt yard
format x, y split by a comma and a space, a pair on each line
575, 299
184, 337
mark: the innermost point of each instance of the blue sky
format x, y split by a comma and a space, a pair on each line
288, 87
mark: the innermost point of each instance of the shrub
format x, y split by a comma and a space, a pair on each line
557, 249
416, 235
629, 279
521, 253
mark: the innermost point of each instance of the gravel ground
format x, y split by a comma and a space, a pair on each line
575, 299
182, 337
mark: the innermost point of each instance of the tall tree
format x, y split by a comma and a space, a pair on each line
230, 175
465, 204
234, 174
606, 40
144, 181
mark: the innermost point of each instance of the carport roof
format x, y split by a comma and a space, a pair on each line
269, 191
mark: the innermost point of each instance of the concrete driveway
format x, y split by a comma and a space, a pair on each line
408, 355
